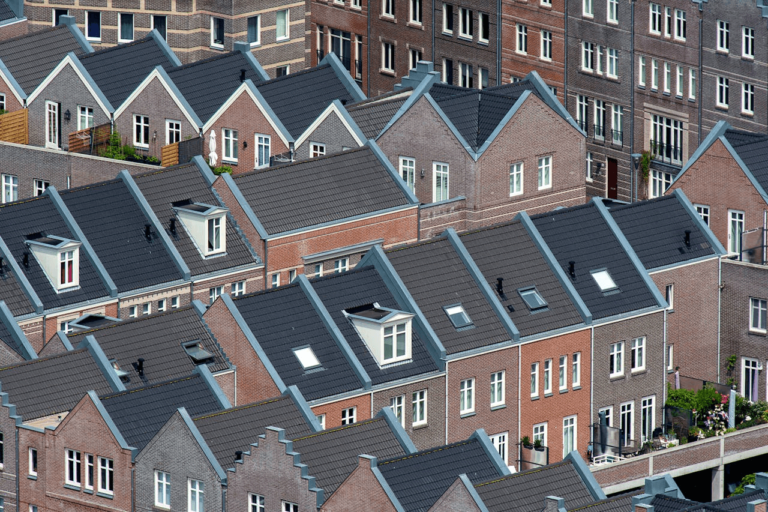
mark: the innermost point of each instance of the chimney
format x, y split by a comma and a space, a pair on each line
641, 507
242, 75
756, 506
572, 269
553, 504
239, 456
687, 237
140, 366
148, 231
173, 225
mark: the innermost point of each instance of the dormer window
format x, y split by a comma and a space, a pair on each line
458, 316
306, 357
604, 280
205, 224
121, 374
386, 332
532, 299
195, 350
59, 259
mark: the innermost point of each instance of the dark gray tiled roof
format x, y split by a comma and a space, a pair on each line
663, 503
283, 319
752, 149
13, 294
114, 225
207, 84
477, 113
120, 69
31, 57
656, 231
39, 215
507, 251
580, 234
737, 503
620, 503
236, 429
158, 339
373, 115
140, 413
6, 13
339, 292
420, 479
326, 189
525, 491
299, 98
10, 341
435, 276
164, 187
53, 384
332, 454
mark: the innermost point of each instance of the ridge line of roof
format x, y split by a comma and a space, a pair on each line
43, 359
239, 408
146, 388
204, 61
297, 162
116, 47
523, 473
131, 321
427, 452
338, 429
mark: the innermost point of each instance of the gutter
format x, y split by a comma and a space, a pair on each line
565, 58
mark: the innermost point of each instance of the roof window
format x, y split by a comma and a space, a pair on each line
306, 357
206, 225
386, 332
195, 350
458, 316
532, 298
59, 259
604, 280
121, 374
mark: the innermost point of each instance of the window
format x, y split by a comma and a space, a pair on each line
604, 280
522, 39
563, 379
749, 378
703, 211
175, 302
540, 433
447, 19
10, 188
590, 160
466, 75
641, 71
238, 288
569, 435
321, 420
133, 312
316, 150
57, 14
613, 63
256, 502
735, 230
263, 151
126, 27
647, 418
282, 70
162, 489
458, 316
440, 184
356, 4
229, 141
748, 99
467, 396
214, 293
160, 23
2, 454
587, 8
348, 415
84, 117
318, 269
465, 23
723, 36
275, 280
146, 308
669, 294
51, 125
546, 45
667, 77
668, 21
497, 388
388, 7
161, 305
654, 74
680, 25
599, 60
172, 131
32, 469
408, 171
679, 82
608, 415
500, 443
576, 369
655, 21
616, 363
414, 56
748, 42
254, 30
660, 181
692, 84
448, 71
627, 415
532, 298
89, 476
93, 25
757, 315
73, 468
612, 15
547, 376
722, 91
397, 404
419, 402
217, 32
341, 265
388, 57
534, 379
106, 473
67, 268
637, 354
667, 144
617, 134
415, 11
599, 119
484, 21
214, 241
516, 179
582, 112
290, 507
282, 22
545, 172
141, 131
394, 342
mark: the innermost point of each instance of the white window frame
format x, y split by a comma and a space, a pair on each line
587, 56
120, 38
106, 475
465, 23
587, 9
545, 172
32, 461
84, 117
501, 443
589, 161
349, 415
534, 380
562, 375
287, 34
734, 238
569, 424
229, 143
659, 183
637, 355
599, 129
141, 131
275, 280
723, 94
599, 59
647, 418
407, 168
446, 16
751, 366
480, 17
256, 502
667, 22
627, 409
419, 404
667, 78
154, 17
172, 127
654, 20
288, 506
723, 36
681, 25
161, 305
748, 42
416, 15
214, 44
388, 8
257, 42
316, 149
758, 311
516, 179
397, 404
608, 415
617, 355
747, 99
218, 242
576, 370
92, 38
73, 465
703, 211
669, 295
613, 63
612, 12
654, 74
90, 471
388, 57
546, 45
52, 131
440, 170
238, 288
547, 377
321, 421
497, 388
679, 88
341, 265
165, 482
521, 46
467, 396
540, 433
10, 188
263, 149
691, 84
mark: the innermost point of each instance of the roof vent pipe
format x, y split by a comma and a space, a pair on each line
25, 260
242, 75
173, 225
500, 285
572, 269
687, 237
140, 367
148, 231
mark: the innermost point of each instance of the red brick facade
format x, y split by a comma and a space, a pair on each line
360, 491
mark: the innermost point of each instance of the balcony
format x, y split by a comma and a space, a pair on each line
667, 153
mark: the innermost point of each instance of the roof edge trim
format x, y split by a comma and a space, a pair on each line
110, 423
420, 90
586, 475
182, 411
93, 347
205, 373
678, 192
69, 21
392, 172
718, 130
304, 408
240, 198
397, 429
163, 44
21, 278
343, 75
481, 437
16, 333
473, 492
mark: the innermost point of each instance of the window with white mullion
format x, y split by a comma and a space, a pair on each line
612, 15
141, 131
757, 308
637, 355
408, 171
440, 184
534, 380
467, 396
516, 179
616, 362
723, 36
747, 99
748, 42
749, 378
497, 389
73, 468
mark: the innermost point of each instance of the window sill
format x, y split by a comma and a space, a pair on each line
483, 42
415, 24
447, 33
385, 17
611, 22
468, 415
641, 86
651, 32
217, 47
576, 388
535, 397
466, 38
387, 72
518, 52
498, 407
747, 59
617, 377
692, 100
757, 333
88, 491
562, 391
32, 477
255, 45
679, 40
516, 194
105, 495
420, 426
233, 162
545, 59
722, 52
123, 41
748, 114
93, 40
72, 487
724, 108
670, 310
666, 93
545, 188
588, 16
141, 146
639, 371
547, 395
282, 39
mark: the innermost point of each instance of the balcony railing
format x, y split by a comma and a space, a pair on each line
599, 131
346, 62
617, 137
667, 153
320, 55
584, 126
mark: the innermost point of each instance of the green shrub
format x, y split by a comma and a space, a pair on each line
222, 169
747, 480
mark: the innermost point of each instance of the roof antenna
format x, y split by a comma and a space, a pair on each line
687, 237
25, 260
572, 269
173, 225
148, 231
242, 75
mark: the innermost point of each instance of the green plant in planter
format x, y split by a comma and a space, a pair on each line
645, 164
537, 443
684, 440
525, 441
222, 169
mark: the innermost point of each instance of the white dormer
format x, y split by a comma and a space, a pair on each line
59, 259
206, 225
386, 332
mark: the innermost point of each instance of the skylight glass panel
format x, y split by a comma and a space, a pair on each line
459, 317
533, 299
196, 351
604, 280
306, 357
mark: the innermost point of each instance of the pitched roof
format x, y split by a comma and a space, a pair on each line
319, 190
39, 215
51, 385
6, 13
13, 294
207, 84
333, 454
31, 57
283, 319
339, 292
508, 252
752, 149
656, 231
530, 488
738, 502
162, 188
120, 69
299, 98
620, 503
420, 479
140, 413
10, 340
436, 277
373, 115
114, 225
582, 235
236, 429
158, 339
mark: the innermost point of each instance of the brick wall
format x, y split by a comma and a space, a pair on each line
435, 218
12, 104
360, 491
332, 410
16, 29
243, 222
152, 298
8, 473
455, 499
254, 282
330, 14
333, 133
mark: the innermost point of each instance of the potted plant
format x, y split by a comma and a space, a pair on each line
525, 441
537, 444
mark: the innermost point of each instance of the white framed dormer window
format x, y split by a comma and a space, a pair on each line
616, 361
125, 25
439, 182
39, 187
497, 389
546, 45
106, 476
214, 240
395, 343
637, 355
534, 380
604, 280
195, 495
254, 30
757, 315
500, 442
680, 25
73, 466
723, 90
397, 404
547, 377
172, 131
748, 42
162, 489
467, 396
205, 224
587, 8
747, 99
386, 332
522, 39
93, 25
587, 56
283, 25
466, 29
516, 179
84, 117
576, 370
723, 36
545, 172
217, 33
229, 140
408, 171
263, 150
419, 403
654, 23
10, 188
388, 57
415, 11
348, 416
59, 258
140, 131
612, 13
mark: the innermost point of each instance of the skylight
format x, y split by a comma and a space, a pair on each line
196, 351
604, 280
533, 299
115, 366
306, 357
459, 317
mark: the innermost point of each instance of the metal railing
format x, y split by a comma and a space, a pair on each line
667, 153
584, 126
599, 131
320, 55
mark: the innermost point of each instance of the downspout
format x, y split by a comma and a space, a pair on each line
519, 398
223, 499
433, 32
719, 310
17, 469
565, 58
664, 372
632, 170
367, 69
266, 265
133, 488
446, 402
591, 373
701, 79
498, 41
